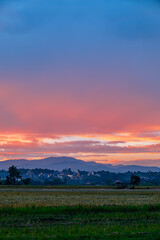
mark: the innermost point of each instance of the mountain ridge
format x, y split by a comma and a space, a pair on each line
60, 163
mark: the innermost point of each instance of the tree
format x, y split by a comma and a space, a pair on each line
57, 181
135, 180
26, 181
13, 176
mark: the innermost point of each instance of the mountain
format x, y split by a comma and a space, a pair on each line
60, 163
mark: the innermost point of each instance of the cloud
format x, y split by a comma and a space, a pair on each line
115, 142
32, 146
142, 162
96, 147
149, 134
43, 109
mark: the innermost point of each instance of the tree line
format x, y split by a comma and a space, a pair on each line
14, 178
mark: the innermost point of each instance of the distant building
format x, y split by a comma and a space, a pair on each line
91, 173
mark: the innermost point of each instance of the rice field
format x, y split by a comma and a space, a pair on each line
73, 197
74, 213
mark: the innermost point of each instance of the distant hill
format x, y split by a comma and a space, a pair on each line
60, 163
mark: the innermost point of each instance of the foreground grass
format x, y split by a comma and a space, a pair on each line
81, 222
78, 214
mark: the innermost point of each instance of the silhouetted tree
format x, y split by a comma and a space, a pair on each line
26, 181
135, 180
13, 176
57, 181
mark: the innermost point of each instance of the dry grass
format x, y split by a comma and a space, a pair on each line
77, 197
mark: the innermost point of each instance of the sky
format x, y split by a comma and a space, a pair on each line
80, 78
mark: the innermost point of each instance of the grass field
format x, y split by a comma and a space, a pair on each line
69, 213
71, 197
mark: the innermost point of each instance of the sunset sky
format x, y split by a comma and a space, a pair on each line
80, 78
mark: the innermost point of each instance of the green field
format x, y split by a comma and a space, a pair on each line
79, 213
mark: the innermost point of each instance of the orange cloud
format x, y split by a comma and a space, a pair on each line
95, 122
